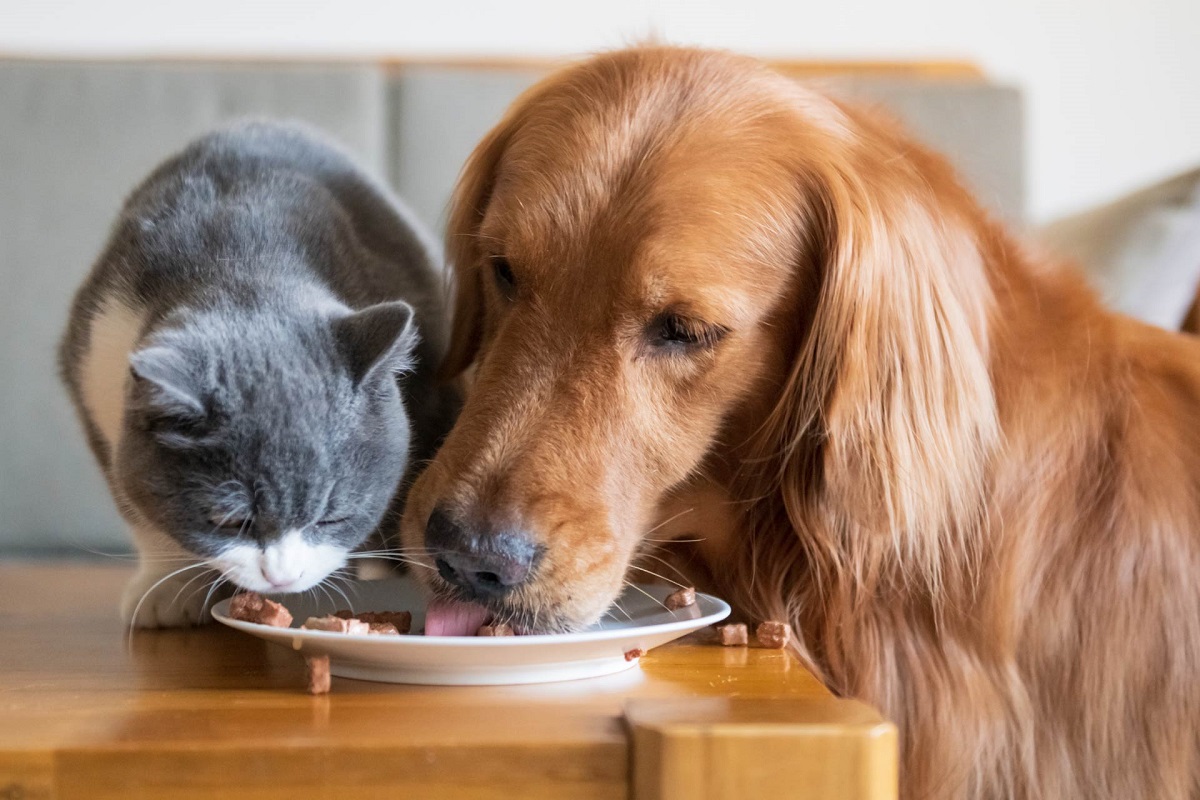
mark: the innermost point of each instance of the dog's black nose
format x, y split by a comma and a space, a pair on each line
483, 564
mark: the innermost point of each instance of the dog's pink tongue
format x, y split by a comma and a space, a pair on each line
454, 619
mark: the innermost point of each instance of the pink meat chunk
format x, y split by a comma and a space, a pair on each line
317, 668
733, 635
253, 607
681, 599
772, 634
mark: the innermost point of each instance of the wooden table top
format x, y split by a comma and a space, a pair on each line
211, 712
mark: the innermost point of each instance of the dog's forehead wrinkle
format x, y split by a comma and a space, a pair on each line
617, 232
622, 133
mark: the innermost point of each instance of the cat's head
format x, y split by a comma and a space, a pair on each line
269, 447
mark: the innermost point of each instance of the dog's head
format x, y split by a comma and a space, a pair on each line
666, 259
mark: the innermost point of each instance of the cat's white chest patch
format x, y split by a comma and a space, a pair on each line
114, 334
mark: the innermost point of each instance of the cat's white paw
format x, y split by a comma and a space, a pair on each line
175, 603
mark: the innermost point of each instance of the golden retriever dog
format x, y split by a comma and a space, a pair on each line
702, 302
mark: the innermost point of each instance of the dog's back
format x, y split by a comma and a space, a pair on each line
1089, 600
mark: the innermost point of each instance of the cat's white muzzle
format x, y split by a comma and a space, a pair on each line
289, 564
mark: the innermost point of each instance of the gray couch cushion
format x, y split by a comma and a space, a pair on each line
979, 126
441, 113
1142, 251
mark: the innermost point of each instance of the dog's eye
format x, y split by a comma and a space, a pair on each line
505, 280
673, 331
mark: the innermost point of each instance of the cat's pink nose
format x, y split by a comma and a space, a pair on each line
279, 577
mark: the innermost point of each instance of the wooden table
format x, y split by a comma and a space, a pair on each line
210, 712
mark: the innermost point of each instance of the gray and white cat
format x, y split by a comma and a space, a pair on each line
245, 360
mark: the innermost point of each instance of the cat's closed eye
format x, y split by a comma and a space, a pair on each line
332, 521
228, 524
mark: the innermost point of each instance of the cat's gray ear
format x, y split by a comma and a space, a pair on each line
168, 382
378, 337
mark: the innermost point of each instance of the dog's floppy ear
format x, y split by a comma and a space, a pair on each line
888, 413
467, 207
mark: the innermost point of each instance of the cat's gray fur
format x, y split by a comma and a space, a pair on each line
225, 370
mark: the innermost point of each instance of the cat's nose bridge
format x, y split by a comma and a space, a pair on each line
286, 494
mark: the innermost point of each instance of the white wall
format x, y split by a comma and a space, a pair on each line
1113, 88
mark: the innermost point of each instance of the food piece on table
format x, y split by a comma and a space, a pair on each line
681, 598
775, 635
317, 668
636, 652
382, 629
733, 635
495, 629
344, 613
334, 624
253, 607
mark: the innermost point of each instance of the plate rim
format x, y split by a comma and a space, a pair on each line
722, 610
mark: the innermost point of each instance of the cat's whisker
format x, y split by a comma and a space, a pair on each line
318, 592
339, 583
212, 589
149, 557
138, 608
393, 551
190, 581
325, 588
167, 560
337, 589
397, 559
201, 588
347, 578
385, 558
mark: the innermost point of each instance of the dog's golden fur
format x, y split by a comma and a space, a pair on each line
973, 490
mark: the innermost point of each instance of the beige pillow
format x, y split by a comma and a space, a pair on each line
1142, 251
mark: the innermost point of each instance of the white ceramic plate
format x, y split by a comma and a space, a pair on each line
480, 661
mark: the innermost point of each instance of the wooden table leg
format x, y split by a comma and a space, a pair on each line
732, 749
